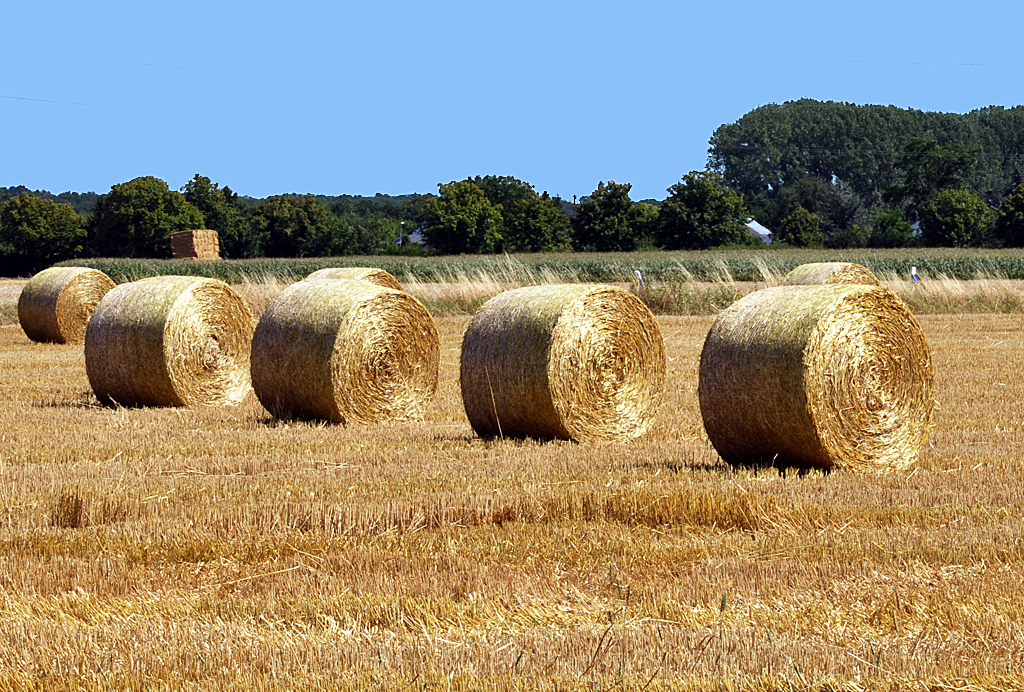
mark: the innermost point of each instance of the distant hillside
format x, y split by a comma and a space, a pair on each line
81, 202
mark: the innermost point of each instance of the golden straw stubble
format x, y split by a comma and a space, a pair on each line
57, 303
574, 362
834, 375
170, 341
830, 273
370, 274
345, 351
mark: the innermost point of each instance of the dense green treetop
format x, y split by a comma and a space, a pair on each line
291, 226
955, 218
530, 222
891, 229
928, 168
137, 218
461, 220
36, 232
1009, 222
223, 212
801, 228
609, 221
776, 145
701, 212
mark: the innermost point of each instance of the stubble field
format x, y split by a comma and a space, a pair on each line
145, 549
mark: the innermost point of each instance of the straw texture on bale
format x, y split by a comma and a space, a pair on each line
835, 375
346, 352
170, 341
830, 273
56, 304
572, 362
374, 276
202, 244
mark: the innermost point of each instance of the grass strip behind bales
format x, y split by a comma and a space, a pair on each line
740, 265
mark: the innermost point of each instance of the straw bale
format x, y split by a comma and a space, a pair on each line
834, 375
574, 362
56, 304
374, 276
201, 244
345, 351
170, 341
830, 273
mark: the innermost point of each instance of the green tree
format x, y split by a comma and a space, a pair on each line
530, 222
137, 218
1009, 221
777, 144
223, 213
955, 218
837, 206
291, 226
701, 212
801, 228
891, 229
609, 221
35, 233
462, 220
928, 168
352, 234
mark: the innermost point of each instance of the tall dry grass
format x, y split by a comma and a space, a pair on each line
221, 549
455, 292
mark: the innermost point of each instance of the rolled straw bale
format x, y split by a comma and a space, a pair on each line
56, 304
835, 375
573, 362
345, 351
170, 341
374, 276
830, 273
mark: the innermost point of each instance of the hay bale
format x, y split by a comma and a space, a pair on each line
374, 276
56, 304
835, 375
574, 362
200, 244
345, 351
170, 341
830, 273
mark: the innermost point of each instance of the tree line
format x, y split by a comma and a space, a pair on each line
818, 174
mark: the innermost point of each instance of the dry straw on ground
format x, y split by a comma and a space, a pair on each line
170, 341
56, 304
830, 273
202, 244
345, 351
574, 362
370, 274
835, 375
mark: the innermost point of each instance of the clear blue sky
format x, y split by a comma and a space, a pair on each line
396, 97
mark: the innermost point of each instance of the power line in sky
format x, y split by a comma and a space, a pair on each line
943, 64
68, 103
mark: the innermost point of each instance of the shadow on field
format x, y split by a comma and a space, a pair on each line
79, 401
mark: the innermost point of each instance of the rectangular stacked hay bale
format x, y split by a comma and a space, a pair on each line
199, 244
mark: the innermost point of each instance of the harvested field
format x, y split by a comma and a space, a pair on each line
217, 549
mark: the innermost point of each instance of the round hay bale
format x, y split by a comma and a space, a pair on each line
170, 341
830, 273
56, 304
835, 375
573, 362
345, 351
374, 276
